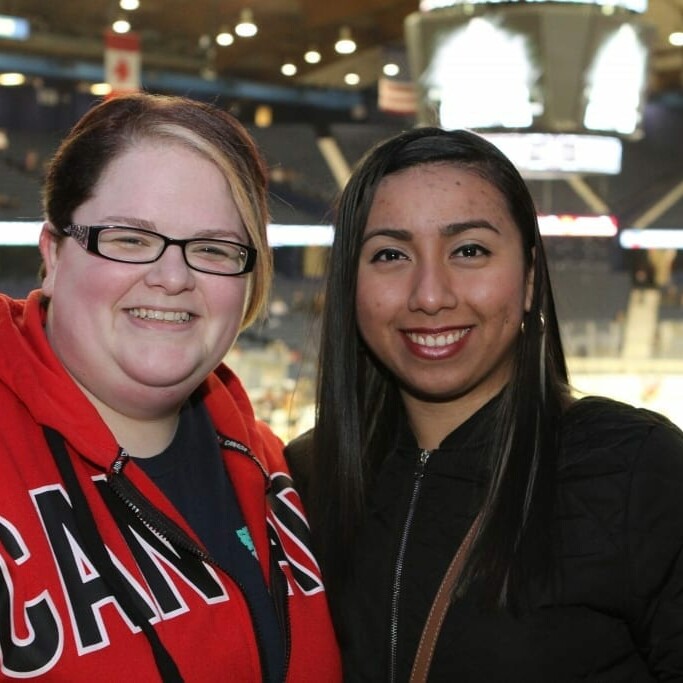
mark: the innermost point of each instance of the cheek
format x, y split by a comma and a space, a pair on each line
228, 305
368, 313
77, 284
502, 299
370, 305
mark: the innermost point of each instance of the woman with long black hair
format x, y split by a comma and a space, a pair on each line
445, 413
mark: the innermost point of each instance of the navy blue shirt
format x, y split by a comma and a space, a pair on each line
191, 474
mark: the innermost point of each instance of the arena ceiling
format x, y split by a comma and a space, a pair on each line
171, 35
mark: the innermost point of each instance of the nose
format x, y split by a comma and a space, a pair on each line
433, 288
171, 271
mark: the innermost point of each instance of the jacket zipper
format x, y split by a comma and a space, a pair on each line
171, 532
398, 568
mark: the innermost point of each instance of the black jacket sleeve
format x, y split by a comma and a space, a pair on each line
655, 540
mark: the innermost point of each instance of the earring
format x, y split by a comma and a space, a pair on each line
541, 320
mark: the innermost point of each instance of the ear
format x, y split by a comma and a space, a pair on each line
529, 294
49, 249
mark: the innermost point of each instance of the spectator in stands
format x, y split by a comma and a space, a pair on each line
142, 532
446, 422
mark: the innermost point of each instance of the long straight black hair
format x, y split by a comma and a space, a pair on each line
358, 402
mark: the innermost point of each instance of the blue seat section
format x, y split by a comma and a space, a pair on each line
592, 307
22, 162
302, 186
355, 139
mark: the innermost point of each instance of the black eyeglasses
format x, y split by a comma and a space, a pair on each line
134, 245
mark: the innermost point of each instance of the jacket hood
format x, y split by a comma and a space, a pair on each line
30, 370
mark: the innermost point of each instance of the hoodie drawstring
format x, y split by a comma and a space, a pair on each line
99, 555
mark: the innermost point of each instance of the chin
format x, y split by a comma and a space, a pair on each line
161, 378
432, 394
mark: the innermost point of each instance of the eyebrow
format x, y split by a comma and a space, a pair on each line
447, 230
130, 221
457, 228
149, 225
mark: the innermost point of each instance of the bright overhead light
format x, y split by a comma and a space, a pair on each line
246, 27
100, 89
288, 69
614, 82
312, 56
129, 5
225, 38
346, 44
676, 38
12, 78
352, 79
121, 26
391, 69
14, 28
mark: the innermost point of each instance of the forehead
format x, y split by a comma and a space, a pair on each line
442, 176
436, 192
164, 184
153, 164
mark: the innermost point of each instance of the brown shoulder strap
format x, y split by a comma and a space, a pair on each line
442, 601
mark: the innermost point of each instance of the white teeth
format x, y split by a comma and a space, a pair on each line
166, 316
437, 339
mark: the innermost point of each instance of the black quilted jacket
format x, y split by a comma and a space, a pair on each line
618, 615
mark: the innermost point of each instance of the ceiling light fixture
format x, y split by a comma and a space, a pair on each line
224, 37
129, 5
312, 56
346, 44
390, 69
676, 38
352, 79
14, 28
121, 26
288, 69
100, 89
12, 78
246, 27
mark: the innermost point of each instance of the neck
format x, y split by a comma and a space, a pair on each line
433, 421
142, 436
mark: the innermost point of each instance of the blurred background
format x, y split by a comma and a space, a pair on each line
585, 97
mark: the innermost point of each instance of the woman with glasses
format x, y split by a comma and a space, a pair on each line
148, 528
447, 435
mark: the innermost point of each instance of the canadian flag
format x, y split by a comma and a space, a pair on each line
122, 62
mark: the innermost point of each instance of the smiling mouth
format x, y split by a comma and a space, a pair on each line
437, 340
163, 316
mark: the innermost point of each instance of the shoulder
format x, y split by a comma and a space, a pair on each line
598, 427
625, 464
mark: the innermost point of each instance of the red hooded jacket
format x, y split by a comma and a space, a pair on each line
59, 617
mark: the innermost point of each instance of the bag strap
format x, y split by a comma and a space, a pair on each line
437, 614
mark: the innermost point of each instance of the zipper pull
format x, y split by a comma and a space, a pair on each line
422, 463
120, 462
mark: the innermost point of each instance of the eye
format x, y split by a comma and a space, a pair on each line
126, 238
133, 240
471, 251
217, 250
385, 255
